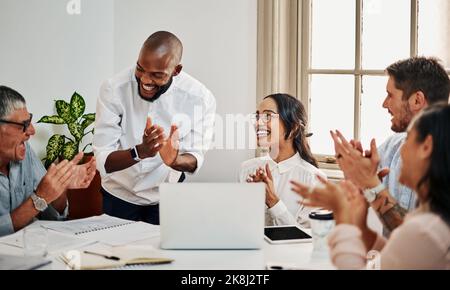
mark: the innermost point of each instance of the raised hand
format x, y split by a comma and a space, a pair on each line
170, 147
152, 140
83, 174
367, 153
358, 168
265, 175
359, 205
55, 181
330, 196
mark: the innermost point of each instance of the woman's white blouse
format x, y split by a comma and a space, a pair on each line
287, 211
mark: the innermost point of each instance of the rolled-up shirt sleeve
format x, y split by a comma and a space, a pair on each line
6, 225
107, 127
280, 215
199, 139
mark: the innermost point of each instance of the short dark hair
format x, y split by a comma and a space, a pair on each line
10, 100
435, 121
421, 74
167, 39
293, 115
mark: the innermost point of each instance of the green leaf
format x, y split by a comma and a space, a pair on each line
90, 116
86, 123
77, 105
69, 150
52, 120
76, 130
54, 147
63, 109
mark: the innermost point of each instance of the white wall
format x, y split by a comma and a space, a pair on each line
47, 54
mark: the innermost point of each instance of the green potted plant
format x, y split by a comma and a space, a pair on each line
72, 115
82, 202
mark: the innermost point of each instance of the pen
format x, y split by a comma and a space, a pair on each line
104, 256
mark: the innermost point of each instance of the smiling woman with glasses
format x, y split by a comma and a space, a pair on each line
25, 124
281, 122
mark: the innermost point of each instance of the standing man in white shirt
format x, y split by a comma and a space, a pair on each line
135, 111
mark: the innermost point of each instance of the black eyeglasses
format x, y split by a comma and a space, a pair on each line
24, 124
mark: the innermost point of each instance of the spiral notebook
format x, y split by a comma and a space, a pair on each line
107, 229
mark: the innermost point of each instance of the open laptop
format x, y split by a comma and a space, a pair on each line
212, 215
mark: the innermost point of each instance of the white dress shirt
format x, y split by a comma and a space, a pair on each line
120, 122
287, 211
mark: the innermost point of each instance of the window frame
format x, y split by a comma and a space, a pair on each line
305, 71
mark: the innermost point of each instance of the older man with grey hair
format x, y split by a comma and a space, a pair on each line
27, 191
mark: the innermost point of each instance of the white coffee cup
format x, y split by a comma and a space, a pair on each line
322, 223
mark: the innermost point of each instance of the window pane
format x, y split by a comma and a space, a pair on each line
333, 34
331, 108
434, 29
375, 120
386, 32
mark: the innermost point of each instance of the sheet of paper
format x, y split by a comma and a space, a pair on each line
8, 262
56, 241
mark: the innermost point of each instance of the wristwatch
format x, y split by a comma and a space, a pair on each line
39, 203
134, 154
371, 193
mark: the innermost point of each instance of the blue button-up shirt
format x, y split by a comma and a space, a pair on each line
15, 189
390, 157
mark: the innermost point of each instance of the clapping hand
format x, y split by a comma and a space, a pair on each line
265, 176
83, 174
56, 180
170, 147
331, 196
152, 140
358, 167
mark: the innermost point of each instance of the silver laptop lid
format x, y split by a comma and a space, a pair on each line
212, 215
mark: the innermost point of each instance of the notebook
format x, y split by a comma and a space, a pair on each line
87, 225
106, 229
101, 256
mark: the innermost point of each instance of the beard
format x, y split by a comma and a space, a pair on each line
405, 119
161, 90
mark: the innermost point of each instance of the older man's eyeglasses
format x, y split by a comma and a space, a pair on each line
265, 117
25, 124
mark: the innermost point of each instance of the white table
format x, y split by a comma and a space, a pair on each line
298, 256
